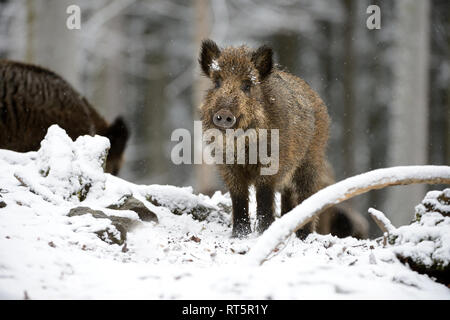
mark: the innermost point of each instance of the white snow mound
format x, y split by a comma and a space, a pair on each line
45, 254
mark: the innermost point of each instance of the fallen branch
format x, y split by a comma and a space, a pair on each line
282, 228
381, 220
38, 189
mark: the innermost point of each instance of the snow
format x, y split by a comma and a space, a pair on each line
65, 167
254, 79
215, 65
45, 254
427, 239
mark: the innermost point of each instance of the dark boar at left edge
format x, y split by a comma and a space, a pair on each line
33, 98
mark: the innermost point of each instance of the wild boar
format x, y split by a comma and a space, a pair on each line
33, 98
251, 92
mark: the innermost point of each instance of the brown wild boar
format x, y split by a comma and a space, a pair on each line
33, 98
250, 91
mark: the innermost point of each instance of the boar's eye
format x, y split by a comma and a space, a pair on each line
246, 85
217, 83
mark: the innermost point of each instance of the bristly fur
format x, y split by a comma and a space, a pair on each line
209, 51
263, 61
260, 95
33, 98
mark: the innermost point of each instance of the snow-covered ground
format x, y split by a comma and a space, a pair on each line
45, 254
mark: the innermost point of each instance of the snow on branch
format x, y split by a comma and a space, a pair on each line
381, 220
281, 229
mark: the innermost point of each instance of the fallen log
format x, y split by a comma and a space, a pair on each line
282, 228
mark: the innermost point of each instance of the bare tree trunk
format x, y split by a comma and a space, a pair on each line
29, 31
108, 98
349, 96
447, 123
206, 180
49, 42
409, 110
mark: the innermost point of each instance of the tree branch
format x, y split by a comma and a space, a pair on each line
381, 220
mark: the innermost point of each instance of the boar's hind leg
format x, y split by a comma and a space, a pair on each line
287, 204
241, 220
287, 200
306, 184
264, 207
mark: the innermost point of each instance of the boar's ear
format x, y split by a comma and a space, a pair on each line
262, 59
209, 51
118, 136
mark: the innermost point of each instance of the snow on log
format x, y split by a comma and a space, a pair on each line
282, 228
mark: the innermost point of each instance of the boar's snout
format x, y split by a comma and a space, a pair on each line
224, 119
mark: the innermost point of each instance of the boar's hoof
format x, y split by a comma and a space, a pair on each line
264, 223
241, 231
305, 231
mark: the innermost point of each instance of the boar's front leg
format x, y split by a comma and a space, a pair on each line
241, 219
264, 207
